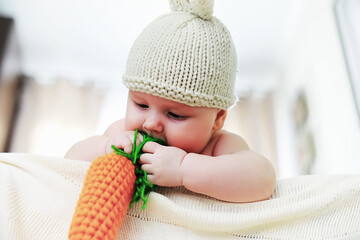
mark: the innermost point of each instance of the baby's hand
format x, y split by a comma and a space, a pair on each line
123, 140
162, 164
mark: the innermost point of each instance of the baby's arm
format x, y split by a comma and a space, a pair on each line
234, 173
93, 147
88, 149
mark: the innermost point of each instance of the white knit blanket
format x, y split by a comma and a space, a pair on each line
38, 195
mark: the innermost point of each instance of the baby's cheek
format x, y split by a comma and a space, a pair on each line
131, 124
188, 144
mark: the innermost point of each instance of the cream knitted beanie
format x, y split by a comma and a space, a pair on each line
186, 56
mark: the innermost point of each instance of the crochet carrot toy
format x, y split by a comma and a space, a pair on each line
111, 183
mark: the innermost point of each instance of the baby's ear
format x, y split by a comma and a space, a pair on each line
220, 119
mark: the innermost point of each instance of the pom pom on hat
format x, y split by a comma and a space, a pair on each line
201, 8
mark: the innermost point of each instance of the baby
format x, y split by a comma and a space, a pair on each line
180, 74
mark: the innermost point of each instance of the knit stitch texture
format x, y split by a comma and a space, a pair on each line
104, 200
38, 196
186, 56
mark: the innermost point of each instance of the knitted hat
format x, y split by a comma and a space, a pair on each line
186, 56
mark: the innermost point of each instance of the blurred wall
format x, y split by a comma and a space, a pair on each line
316, 67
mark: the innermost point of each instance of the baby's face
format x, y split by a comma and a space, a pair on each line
179, 125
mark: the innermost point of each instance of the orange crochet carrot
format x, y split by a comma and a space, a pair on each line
108, 189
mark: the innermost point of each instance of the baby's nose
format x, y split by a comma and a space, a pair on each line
153, 124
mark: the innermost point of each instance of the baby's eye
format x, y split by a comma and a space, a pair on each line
176, 116
142, 106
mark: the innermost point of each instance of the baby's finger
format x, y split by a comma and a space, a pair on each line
147, 168
145, 158
108, 149
151, 147
128, 149
139, 139
151, 179
121, 142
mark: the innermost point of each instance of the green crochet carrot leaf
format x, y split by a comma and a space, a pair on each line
112, 183
142, 186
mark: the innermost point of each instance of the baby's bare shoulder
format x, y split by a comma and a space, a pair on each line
115, 127
227, 143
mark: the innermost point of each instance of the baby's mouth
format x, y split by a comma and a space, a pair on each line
158, 137
162, 138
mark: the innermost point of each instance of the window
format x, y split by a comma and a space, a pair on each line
347, 14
